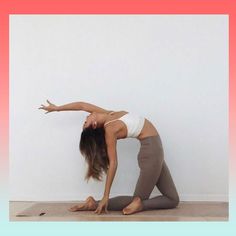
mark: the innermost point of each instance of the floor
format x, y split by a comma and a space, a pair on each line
57, 211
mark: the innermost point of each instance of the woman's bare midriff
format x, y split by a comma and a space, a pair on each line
147, 130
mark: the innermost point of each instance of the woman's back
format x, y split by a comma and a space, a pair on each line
135, 126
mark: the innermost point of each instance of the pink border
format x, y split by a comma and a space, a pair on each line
110, 7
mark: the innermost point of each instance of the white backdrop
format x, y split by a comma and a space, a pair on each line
172, 69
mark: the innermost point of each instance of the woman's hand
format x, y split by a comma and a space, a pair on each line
102, 204
49, 108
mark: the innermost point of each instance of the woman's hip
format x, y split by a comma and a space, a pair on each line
151, 151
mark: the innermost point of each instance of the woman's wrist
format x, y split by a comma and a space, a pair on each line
74, 106
106, 196
57, 108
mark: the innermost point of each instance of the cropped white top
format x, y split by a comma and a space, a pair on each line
133, 122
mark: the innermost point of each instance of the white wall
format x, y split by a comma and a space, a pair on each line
172, 69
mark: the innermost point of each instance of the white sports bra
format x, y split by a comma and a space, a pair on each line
134, 124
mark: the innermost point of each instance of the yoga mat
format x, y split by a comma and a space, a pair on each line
184, 209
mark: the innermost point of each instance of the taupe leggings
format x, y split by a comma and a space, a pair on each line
153, 172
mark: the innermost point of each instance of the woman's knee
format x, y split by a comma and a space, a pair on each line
175, 201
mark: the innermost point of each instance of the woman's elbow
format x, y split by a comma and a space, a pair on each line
113, 164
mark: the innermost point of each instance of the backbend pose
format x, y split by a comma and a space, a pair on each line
101, 130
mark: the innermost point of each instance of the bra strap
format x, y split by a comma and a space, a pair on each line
110, 121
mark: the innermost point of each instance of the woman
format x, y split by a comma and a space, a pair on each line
101, 130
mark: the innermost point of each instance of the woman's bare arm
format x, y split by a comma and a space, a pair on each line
74, 106
92, 108
111, 141
84, 106
112, 155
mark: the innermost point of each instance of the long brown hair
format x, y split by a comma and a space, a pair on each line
93, 147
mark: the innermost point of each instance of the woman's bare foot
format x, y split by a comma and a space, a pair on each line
89, 205
134, 206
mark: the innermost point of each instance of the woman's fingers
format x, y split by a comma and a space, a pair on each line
47, 108
106, 209
42, 107
98, 210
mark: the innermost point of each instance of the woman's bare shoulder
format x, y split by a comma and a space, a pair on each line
111, 126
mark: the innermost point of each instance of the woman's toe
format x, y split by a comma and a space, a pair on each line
74, 208
126, 210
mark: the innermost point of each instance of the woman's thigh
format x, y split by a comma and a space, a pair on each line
146, 182
150, 160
